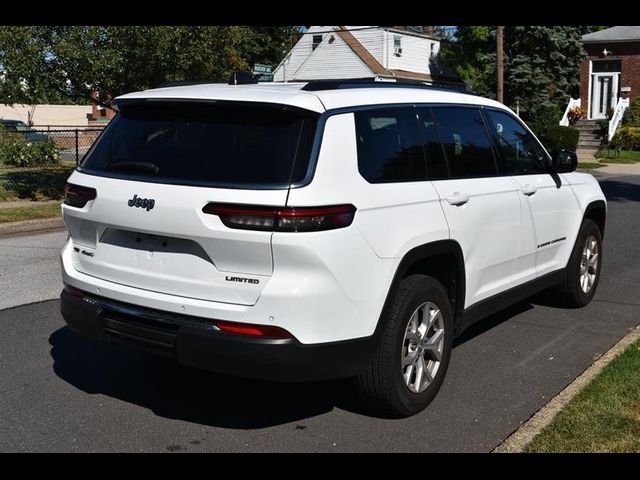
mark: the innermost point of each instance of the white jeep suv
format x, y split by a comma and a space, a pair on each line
320, 230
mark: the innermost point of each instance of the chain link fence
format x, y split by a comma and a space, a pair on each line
36, 162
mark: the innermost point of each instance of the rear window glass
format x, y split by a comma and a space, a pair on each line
206, 144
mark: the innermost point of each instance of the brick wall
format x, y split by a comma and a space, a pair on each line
628, 53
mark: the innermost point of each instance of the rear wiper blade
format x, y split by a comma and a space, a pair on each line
135, 167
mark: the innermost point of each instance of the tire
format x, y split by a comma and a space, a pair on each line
383, 385
572, 288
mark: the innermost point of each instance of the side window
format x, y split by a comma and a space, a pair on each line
519, 151
389, 145
436, 163
465, 141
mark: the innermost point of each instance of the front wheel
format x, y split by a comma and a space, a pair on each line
414, 352
583, 269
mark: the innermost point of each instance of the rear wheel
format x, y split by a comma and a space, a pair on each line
414, 352
583, 269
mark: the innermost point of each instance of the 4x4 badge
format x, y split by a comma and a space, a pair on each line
147, 203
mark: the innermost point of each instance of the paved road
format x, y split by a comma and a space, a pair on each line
59, 392
29, 270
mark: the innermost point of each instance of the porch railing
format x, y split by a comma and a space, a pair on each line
573, 102
616, 118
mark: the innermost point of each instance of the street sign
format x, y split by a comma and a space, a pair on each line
267, 77
259, 68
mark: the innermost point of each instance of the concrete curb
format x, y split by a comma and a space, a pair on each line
28, 227
518, 440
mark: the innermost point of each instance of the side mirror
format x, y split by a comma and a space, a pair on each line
563, 161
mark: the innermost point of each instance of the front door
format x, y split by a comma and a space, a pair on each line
547, 203
604, 94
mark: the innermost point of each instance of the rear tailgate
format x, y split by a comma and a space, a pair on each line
174, 247
146, 227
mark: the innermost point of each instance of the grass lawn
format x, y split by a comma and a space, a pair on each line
589, 165
625, 156
29, 212
604, 417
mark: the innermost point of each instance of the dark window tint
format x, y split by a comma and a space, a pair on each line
600, 66
436, 164
206, 144
465, 141
519, 152
389, 145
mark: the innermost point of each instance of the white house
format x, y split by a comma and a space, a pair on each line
371, 52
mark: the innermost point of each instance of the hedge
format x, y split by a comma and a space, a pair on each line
631, 116
555, 137
626, 138
15, 151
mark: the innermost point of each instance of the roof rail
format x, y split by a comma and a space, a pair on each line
316, 85
184, 83
236, 78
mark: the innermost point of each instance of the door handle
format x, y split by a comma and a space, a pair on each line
529, 190
458, 199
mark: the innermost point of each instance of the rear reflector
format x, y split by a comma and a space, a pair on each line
285, 219
262, 331
78, 196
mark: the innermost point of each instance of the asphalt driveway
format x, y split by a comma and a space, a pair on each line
59, 392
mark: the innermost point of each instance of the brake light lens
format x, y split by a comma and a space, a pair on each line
77, 196
283, 219
262, 331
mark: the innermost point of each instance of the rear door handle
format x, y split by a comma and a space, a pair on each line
529, 190
458, 199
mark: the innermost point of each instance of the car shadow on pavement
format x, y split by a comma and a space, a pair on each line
620, 191
492, 321
183, 393
178, 392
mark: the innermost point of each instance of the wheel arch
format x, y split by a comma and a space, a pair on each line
442, 260
597, 211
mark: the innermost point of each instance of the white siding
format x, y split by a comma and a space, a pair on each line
298, 54
333, 60
372, 39
415, 53
337, 60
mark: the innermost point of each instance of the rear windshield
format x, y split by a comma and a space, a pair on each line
212, 144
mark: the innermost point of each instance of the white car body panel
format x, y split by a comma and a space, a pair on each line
322, 286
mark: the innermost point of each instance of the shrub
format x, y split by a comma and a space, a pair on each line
15, 151
631, 116
626, 138
546, 115
555, 137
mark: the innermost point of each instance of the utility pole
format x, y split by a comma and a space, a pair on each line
500, 62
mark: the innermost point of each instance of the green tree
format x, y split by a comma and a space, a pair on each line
267, 44
70, 63
542, 63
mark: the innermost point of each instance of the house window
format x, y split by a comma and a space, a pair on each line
605, 66
397, 45
432, 51
316, 40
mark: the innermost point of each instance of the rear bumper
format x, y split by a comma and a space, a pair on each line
194, 341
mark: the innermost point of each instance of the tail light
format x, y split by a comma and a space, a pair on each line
283, 219
78, 196
262, 331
